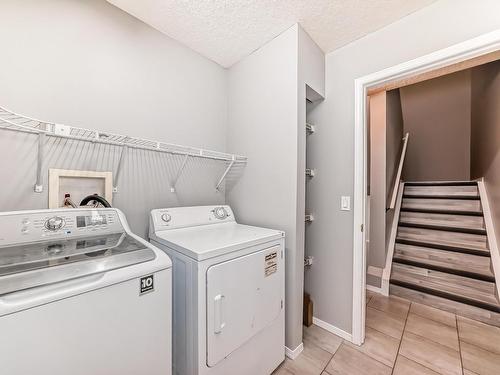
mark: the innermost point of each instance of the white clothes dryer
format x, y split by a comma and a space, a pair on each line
228, 291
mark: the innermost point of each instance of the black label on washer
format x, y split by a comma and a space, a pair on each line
147, 284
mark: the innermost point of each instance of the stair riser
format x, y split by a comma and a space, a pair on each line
447, 205
449, 296
447, 229
468, 311
461, 197
444, 247
444, 238
442, 191
472, 275
440, 211
443, 220
441, 183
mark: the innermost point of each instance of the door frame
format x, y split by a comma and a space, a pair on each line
473, 48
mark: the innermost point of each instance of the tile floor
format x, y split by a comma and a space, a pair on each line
402, 338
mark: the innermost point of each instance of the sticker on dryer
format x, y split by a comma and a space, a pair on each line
147, 284
271, 265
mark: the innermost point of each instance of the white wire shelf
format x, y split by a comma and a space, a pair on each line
10, 120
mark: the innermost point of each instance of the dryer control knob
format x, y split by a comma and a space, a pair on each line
54, 223
220, 213
166, 218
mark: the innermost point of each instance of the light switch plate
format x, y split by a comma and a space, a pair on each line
345, 203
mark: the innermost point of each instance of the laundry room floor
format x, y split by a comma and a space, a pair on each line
402, 338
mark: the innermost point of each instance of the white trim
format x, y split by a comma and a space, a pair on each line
469, 49
332, 329
292, 354
490, 232
400, 171
386, 274
374, 289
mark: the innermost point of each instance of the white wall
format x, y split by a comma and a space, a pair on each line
266, 113
89, 64
262, 111
437, 26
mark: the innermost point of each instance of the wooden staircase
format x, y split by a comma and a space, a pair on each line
441, 256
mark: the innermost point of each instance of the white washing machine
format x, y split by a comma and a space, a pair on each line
81, 295
228, 291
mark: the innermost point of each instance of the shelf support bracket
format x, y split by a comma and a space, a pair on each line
224, 174
179, 173
41, 148
123, 155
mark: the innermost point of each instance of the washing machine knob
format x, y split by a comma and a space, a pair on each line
166, 218
54, 223
220, 213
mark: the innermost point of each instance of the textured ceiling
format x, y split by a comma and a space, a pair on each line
227, 30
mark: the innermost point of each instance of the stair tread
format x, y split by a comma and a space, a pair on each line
465, 288
445, 239
441, 183
443, 220
457, 262
461, 309
442, 205
442, 191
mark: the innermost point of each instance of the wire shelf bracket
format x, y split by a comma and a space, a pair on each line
10, 120
39, 164
219, 183
123, 156
179, 173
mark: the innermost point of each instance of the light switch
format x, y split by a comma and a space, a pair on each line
345, 203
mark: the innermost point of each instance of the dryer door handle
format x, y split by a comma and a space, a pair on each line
218, 314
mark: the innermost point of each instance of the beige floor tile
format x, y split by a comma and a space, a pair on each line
302, 365
322, 338
282, 370
479, 361
384, 322
434, 356
467, 372
370, 294
349, 361
437, 315
432, 330
405, 366
393, 305
479, 334
379, 346
317, 354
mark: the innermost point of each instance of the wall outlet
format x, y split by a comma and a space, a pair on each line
345, 203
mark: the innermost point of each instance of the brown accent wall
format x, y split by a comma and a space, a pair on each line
385, 135
376, 248
485, 135
394, 138
437, 115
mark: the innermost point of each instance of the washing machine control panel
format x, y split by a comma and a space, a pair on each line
27, 226
181, 217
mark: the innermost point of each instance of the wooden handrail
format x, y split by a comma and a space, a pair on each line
398, 174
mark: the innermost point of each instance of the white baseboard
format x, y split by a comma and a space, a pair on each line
292, 354
332, 329
374, 289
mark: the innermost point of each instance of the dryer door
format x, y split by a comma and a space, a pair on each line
244, 295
